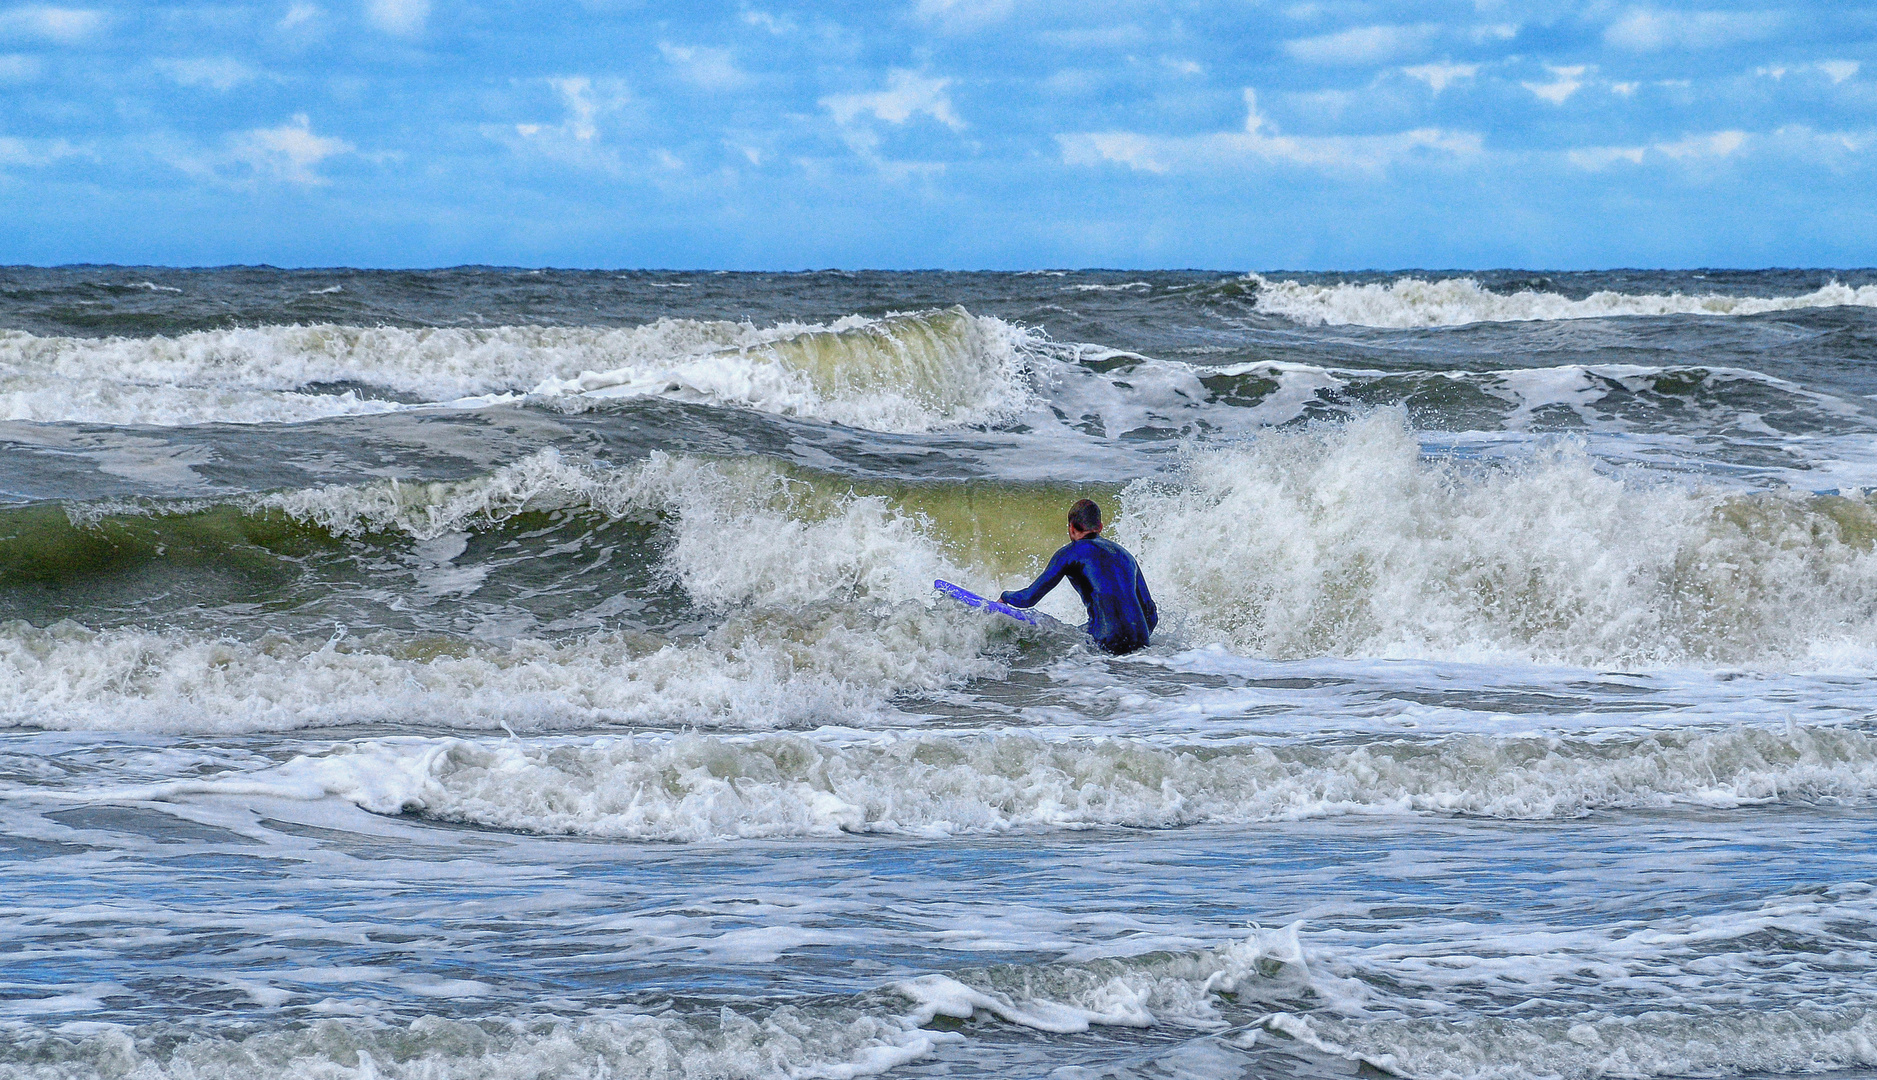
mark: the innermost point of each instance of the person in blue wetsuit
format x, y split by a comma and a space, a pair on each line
1121, 613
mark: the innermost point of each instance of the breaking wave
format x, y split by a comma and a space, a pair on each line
1342, 540
693, 788
911, 372
818, 607
799, 598
1417, 302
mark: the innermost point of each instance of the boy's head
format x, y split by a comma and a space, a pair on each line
1084, 519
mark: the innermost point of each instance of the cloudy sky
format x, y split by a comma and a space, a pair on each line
1229, 134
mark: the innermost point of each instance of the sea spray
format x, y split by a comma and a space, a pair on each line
1343, 540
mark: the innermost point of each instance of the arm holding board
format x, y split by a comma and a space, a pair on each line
971, 599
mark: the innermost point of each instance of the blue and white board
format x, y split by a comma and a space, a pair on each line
971, 599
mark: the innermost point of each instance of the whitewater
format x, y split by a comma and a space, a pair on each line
512, 674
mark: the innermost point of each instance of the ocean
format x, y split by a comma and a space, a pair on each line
489, 673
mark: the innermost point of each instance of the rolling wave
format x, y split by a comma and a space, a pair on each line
696, 788
1417, 302
911, 372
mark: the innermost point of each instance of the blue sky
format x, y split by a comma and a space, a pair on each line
939, 133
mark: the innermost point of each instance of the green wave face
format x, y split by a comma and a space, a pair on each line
538, 547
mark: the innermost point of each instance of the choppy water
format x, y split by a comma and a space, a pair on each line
485, 673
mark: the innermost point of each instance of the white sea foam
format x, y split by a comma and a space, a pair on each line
1180, 989
1411, 302
693, 787
899, 373
1603, 397
1267, 989
1688, 971
864, 1036
1657, 1042
726, 1044
1342, 540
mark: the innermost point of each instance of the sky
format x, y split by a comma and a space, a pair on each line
956, 134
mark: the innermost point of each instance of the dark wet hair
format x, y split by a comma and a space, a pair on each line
1085, 516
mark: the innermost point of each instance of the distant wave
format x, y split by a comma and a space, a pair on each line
1418, 302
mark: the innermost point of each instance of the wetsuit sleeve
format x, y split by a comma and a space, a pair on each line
1052, 575
1146, 599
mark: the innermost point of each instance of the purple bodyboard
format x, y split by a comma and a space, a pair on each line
971, 599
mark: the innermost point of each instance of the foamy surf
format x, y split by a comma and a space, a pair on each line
1418, 302
695, 788
863, 1035
728, 1044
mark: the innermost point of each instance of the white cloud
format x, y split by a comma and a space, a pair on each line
1835, 70
289, 152
1441, 76
1596, 158
576, 140
1075, 81
1495, 32
17, 68
34, 151
221, 73
1718, 144
402, 17
1838, 70
50, 23
577, 92
298, 14
1113, 36
1360, 45
907, 95
1569, 81
1798, 140
1626, 89
766, 21
962, 15
712, 69
1256, 144
1649, 30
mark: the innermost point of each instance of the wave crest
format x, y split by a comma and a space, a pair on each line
1418, 302
1342, 540
907, 372
693, 788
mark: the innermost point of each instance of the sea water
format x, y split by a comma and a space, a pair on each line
498, 673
